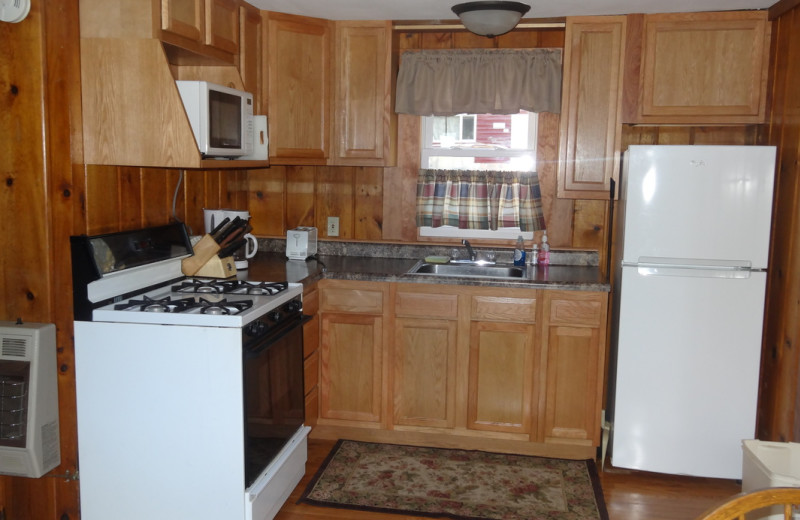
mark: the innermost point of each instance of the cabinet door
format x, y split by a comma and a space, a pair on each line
250, 55
424, 356
424, 365
350, 367
574, 352
500, 377
184, 18
591, 102
704, 68
363, 91
299, 89
222, 25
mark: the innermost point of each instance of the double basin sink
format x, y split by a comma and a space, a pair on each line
469, 270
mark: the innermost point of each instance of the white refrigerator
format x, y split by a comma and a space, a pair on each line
693, 225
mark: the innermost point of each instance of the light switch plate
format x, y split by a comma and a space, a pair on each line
333, 226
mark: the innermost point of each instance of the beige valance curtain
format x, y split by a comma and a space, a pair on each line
479, 81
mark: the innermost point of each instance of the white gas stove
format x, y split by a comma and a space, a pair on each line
186, 387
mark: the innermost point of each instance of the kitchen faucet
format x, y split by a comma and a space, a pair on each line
470, 251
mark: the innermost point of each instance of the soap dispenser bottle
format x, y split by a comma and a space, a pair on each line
544, 252
534, 259
519, 252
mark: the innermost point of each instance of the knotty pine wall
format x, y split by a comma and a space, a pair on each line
122, 197
47, 194
779, 402
40, 159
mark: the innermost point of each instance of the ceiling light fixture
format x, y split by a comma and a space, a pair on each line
489, 18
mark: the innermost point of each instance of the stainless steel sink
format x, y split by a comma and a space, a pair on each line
469, 270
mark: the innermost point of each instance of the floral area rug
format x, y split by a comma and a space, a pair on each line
460, 484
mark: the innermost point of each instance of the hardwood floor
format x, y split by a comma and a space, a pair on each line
629, 495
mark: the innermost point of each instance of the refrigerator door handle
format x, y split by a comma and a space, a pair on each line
656, 266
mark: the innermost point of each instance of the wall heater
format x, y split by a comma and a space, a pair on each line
29, 436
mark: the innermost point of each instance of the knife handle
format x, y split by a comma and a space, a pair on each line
229, 249
219, 226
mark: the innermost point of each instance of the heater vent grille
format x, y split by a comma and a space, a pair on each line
14, 347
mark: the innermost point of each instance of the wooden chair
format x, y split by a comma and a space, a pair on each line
736, 507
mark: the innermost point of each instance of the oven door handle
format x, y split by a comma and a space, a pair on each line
270, 339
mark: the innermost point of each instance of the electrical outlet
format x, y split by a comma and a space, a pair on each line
333, 226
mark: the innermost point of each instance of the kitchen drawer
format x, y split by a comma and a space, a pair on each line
310, 372
359, 299
424, 305
498, 308
577, 312
311, 302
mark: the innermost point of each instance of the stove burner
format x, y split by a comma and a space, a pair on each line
222, 307
147, 304
230, 287
244, 287
198, 286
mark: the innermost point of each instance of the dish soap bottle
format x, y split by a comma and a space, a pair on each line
535, 254
519, 252
544, 252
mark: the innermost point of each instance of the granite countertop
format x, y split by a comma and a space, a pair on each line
273, 265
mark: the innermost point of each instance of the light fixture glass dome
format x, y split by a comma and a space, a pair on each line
490, 18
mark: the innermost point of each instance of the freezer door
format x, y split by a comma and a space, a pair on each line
688, 355
703, 202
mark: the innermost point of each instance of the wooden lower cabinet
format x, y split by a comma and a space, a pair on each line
423, 362
573, 352
500, 377
513, 370
351, 353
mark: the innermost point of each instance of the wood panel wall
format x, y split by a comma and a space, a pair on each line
48, 194
40, 69
779, 402
117, 198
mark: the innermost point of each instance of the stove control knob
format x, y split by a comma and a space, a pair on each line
257, 328
293, 306
275, 316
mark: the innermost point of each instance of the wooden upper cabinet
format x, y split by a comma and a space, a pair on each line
364, 119
222, 25
590, 134
184, 18
299, 89
205, 27
699, 68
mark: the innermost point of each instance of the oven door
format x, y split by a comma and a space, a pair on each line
273, 395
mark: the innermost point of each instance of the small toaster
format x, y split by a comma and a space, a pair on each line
301, 243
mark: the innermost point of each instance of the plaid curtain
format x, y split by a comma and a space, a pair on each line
479, 200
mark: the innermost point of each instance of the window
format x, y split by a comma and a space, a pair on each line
497, 142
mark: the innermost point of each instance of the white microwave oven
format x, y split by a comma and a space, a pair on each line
221, 118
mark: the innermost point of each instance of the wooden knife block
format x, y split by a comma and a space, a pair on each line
218, 267
205, 262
